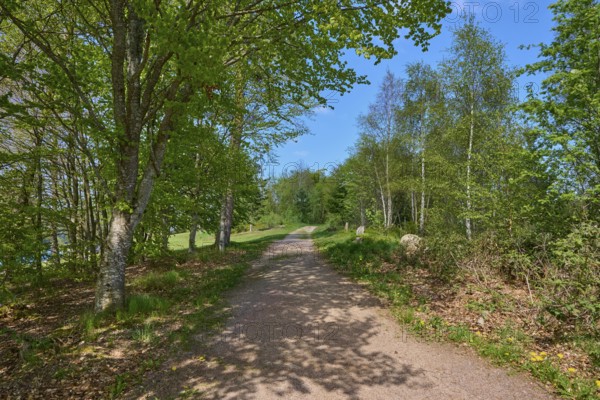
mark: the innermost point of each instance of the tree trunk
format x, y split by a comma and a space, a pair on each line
382, 195
235, 137
224, 235
39, 190
413, 207
54, 229
422, 216
388, 190
91, 220
193, 231
363, 214
55, 248
422, 145
469, 155
110, 288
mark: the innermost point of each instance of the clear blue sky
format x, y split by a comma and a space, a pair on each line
512, 22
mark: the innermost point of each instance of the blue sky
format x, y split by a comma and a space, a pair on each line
511, 22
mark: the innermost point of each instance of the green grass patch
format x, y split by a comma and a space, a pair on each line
143, 305
158, 281
119, 385
144, 334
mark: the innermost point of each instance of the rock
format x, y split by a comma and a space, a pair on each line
481, 322
346, 227
360, 230
411, 244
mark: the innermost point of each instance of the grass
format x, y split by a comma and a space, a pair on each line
144, 334
143, 305
157, 281
369, 262
117, 388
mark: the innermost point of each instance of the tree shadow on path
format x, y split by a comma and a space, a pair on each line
298, 330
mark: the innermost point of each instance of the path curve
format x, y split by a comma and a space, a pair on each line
299, 330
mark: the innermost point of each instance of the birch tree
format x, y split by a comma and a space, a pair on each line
417, 115
478, 88
379, 128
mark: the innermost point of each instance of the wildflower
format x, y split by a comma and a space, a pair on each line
478, 333
571, 370
173, 368
543, 353
560, 355
598, 383
510, 340
532, 353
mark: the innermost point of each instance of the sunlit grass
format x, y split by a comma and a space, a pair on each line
180, 241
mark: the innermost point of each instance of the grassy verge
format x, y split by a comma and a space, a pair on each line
486, 318
82, 354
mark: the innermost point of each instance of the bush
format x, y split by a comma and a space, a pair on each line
443, 252
573, 285
334, 221
270, 220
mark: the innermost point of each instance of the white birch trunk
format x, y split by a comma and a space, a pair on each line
469, 156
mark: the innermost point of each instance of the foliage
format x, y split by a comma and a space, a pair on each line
565, 112
573, 286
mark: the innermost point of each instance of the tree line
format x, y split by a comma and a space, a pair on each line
123, 120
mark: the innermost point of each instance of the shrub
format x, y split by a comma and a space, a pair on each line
573, 285
443, 252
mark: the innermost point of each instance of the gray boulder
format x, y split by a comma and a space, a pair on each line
411, 243
360, 230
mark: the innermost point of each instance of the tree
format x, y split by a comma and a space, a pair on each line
379, 133
258, 119
479, 89
565, 113
420, 97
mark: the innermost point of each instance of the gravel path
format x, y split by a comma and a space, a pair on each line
299, 330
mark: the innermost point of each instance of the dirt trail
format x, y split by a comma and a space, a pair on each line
299, 330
